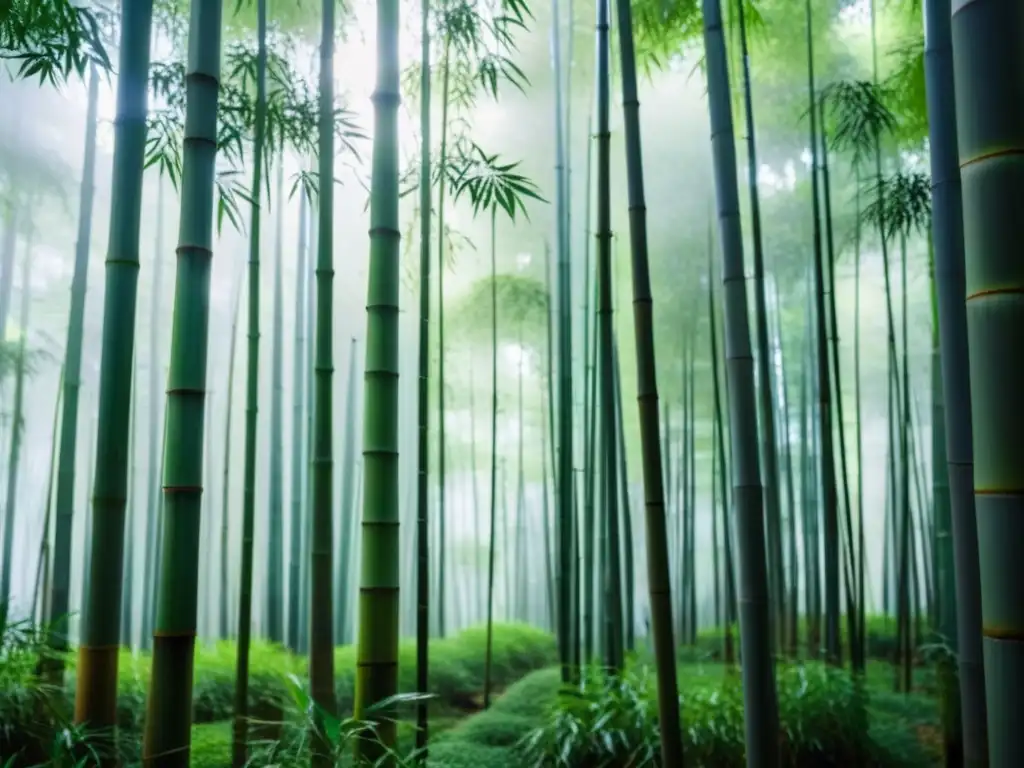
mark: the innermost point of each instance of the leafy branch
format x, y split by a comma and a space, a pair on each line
52, 38
902, 206
491, 184
292, 120
859, 116
482, 46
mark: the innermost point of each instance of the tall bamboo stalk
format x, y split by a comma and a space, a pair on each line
610, 583
41, 592
377, 678
275, 616
765, 360
18, 427
719, 437
321, 599
96, 688
948, 234
629, 574
169, 712
833, 648
225, 506
567, 571
758, 664
846, 534
154, 430
299, 458
492, 528
423, 397
71, 385
658, 578
240, 728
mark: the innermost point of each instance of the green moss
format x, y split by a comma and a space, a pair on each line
457, 663
492, 728
211, 745
532, 696
459, 754
456, 672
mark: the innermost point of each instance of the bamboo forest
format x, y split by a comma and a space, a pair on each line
511, 383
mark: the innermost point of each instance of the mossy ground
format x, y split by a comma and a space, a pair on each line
819, 718
823, 718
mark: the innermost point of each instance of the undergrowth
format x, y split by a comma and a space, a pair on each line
32, 717
825, 719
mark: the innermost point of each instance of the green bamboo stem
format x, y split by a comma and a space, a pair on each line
758, 665
846, 534
905, 523
658, 578
723, 474
833, 649
441, 443
766, 383
492, 529
629, 573
691, 554
809, 503
59, 599
519, 564
299, 459
568, 589
610, 588
377, 675
7, 248
948, 234
275, 616
859, 659
18, 426
155, 428
224, 593
423, 400
41, 591
169, 714
96, 687
321, 538
481, 590
345, 549
127, 601
240, 727
793, 607
548, 429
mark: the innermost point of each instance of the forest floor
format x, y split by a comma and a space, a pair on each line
904, 729
825, 717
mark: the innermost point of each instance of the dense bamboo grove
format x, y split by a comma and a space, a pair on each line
365, 485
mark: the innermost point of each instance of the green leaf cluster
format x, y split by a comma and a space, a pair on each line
291, 121
51, 39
